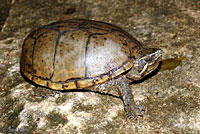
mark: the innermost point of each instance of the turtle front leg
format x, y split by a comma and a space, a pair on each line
130, 106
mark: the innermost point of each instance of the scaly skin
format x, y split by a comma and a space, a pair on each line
128, 98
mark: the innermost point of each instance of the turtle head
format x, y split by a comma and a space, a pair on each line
148, 60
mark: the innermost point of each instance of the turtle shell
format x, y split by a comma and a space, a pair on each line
77, 53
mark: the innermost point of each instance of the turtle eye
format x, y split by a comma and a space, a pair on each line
148, 59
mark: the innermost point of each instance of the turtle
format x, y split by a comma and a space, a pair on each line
87, 54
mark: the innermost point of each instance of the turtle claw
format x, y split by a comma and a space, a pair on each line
139, 109
132, 117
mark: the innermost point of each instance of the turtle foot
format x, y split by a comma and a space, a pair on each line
136, 111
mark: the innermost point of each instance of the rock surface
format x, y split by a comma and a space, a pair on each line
171, 97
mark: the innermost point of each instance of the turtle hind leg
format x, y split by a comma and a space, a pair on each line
132, 109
